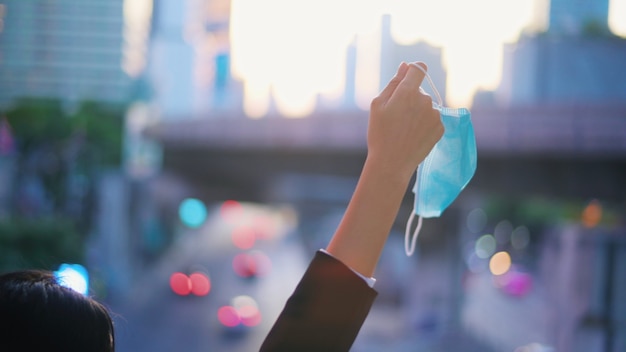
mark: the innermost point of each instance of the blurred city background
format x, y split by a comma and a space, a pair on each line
183, 160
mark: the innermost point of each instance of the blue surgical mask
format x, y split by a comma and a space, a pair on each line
447, 169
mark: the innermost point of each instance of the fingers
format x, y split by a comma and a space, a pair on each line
421, 64
393, 84
415, 75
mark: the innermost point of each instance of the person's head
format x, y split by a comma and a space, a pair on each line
38, 314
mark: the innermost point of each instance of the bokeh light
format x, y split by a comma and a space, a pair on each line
520, 238
251, 264
231, 211
192, 212
244, 265
200, 284
248, 310
475, 264
180, 284
503, 231
73, 276
228, 316
476, 220
242, 310
250, 315
243, 300
262, 261
485, 246
265, 227
244, 237
500, 263
514, 283
592, 214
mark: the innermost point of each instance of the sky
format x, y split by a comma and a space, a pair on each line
297, 65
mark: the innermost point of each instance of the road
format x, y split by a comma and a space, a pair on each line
153, 318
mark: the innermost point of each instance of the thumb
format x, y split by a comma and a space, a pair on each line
391, 86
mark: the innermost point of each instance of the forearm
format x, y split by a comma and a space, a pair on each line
363, 231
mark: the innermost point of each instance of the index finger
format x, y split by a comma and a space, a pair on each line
415, 75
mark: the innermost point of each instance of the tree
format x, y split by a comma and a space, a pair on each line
59, 158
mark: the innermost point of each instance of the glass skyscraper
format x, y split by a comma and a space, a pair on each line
67, 49
572, 16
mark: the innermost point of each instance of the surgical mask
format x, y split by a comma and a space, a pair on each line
447, 169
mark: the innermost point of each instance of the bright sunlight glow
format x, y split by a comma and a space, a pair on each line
617, 17
294, 52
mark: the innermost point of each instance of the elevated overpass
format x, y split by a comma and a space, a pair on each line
576, 150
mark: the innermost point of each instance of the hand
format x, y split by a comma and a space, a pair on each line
403, 125
403, 128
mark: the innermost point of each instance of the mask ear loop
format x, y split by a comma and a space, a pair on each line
409, 249
430, 83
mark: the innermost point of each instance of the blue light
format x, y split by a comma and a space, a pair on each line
73, 276
192, 212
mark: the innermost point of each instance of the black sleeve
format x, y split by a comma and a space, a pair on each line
325, 312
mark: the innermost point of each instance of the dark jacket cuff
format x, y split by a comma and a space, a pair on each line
325, 311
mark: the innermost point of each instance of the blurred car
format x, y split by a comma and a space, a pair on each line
197, 283
238, 317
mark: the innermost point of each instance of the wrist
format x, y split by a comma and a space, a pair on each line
388, 170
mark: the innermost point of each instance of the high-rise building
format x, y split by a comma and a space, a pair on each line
563, 70
574, 16
67, 49
189, 60
577, 60
392, 53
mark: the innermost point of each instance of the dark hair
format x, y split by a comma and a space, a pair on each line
38, 314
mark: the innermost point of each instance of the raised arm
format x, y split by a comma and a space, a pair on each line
330, 303
403, 128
